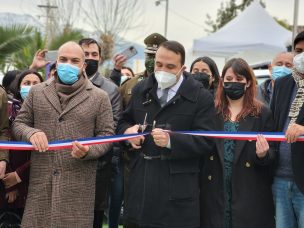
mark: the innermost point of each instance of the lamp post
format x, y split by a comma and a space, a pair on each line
295, 20
157, 3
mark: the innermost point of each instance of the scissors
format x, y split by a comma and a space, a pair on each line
143, 126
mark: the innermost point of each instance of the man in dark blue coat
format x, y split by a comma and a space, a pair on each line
163, 184
288, 108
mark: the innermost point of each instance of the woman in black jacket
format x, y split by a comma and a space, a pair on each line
236, 178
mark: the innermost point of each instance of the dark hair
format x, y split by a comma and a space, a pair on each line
8, 78
53, 66
251, 106
19, 78
298, 38
176, 47
128, 68
88, 41
213, 67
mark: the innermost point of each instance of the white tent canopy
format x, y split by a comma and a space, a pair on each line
252, 31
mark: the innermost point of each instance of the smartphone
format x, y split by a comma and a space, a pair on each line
129, 52
51, 55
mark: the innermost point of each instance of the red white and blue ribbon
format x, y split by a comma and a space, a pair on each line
65, 144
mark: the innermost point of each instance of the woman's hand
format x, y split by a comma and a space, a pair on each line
262, 146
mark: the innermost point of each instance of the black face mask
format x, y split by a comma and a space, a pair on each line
149, 64
92, 67
234, 90
202, 78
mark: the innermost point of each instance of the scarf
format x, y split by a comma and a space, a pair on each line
299, 99
67, 92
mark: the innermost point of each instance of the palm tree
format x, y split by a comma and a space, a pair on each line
13, 39
68, 34
23, 58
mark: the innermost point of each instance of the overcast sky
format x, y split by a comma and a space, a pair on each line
186, 17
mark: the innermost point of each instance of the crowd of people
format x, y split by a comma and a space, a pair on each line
163, 179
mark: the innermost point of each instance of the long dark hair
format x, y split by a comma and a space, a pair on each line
251, 106
213, 67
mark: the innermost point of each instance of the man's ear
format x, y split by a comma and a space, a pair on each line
84, 67
270, 68
100, 61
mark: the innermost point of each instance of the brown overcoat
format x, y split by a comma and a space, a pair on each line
62, 188
3, 122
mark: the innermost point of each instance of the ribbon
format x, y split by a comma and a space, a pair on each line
65, 144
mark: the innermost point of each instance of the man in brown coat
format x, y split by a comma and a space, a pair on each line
3, 130
62, 182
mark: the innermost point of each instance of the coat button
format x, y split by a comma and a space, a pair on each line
60, 119
210, 177
247, 165
211, 158
55, 172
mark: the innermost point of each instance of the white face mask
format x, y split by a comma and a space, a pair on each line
298, 62
123, 78
165, 79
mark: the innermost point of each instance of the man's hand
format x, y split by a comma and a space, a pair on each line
78, 150
161, 137
2, 169
10, 179
119, 61
262, 146
293, 132
135, 142
11, 196
40, 141
39, 60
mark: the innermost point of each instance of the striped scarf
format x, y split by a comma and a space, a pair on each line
299, 99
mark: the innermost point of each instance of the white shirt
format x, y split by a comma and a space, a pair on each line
172, 90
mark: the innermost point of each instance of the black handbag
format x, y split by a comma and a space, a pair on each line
9, 219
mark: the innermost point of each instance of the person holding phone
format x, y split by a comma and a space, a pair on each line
93, 59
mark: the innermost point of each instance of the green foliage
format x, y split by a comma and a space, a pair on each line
226, 13
67, 35
18, 45
23, 58
13, 39
284, 23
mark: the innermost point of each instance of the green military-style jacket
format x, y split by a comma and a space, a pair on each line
126, 88
4, 124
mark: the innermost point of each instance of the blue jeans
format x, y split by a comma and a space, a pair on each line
116, 196
289, 204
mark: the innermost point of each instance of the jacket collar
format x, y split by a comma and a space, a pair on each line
97, 80
51, 95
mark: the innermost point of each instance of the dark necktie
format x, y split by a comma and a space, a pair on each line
164, 97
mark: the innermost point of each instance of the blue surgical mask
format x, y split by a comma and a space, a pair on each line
24, 90
68, 74
280, 71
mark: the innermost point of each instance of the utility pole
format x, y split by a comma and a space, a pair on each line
295, 20
157, 3
48, 24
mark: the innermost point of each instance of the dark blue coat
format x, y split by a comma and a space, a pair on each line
165, 192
